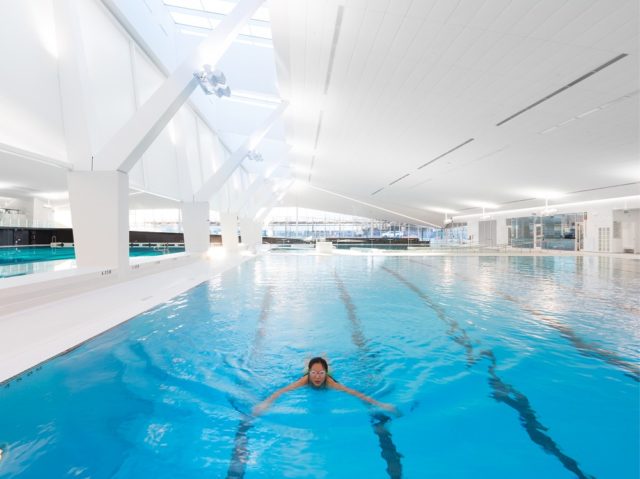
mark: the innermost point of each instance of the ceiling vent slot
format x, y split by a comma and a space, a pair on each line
517, 201
315, 145
377, 191
605, 187
313, 159
334, 44
446, 153
401, 178
568, 85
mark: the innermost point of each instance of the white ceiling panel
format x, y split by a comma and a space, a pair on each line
411, 81
582, 24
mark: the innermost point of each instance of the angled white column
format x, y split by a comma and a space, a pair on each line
273, 198
195, 226
219, 178
229, 226
262, 180
251, 233
127, 146
74, 84
99, 202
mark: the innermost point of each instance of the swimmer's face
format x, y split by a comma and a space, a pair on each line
317, 375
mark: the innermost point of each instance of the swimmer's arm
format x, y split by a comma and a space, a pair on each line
261, 407
340, 387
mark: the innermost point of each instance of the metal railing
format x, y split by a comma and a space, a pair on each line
21, 221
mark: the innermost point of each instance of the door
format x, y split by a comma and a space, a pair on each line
537, 236
487, 233
579, 236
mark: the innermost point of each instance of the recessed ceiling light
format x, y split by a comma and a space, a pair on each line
438, 209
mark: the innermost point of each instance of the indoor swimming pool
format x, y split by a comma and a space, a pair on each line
502, 367
17, 261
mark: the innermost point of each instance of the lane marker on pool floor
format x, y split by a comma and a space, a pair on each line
630, 369
389, 451
501, 391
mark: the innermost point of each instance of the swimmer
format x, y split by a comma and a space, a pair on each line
318, 377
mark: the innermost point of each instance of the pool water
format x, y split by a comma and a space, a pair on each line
521, 367
22, 260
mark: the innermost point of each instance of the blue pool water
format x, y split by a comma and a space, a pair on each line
29, 255
502, 367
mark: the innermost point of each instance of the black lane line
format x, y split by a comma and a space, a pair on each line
510, 396
454, 331
586, 349
389, 451
240, 455
507, 394
593, 295
262, 324
630, 369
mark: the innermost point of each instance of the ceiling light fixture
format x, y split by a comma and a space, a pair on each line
255, 156
590, 112
575, 204
212, 82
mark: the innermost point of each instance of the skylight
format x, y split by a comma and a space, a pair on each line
207, 14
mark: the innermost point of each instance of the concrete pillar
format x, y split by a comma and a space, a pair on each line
195, 225
229, 226
99, 202
251, 233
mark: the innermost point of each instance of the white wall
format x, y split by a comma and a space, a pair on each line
42, 213
600, 214
597, 217
629, 229
108, 59
30, 108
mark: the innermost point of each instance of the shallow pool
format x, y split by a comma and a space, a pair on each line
502, 367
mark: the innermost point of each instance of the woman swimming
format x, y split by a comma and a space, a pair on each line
318, 377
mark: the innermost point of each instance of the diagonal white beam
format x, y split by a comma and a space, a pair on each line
219, 178
250, 194
258, 196
271, 201
127, 146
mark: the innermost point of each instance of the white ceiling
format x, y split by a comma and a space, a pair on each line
409, 80
412, 92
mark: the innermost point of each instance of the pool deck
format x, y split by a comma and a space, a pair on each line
40, 319
45, 315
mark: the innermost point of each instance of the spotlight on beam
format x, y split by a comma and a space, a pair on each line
255, 156
213, 82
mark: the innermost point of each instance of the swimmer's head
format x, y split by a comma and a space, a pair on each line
318, 369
